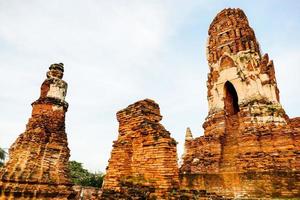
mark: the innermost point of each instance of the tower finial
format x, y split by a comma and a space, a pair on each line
188, 134
54, 89
56, 71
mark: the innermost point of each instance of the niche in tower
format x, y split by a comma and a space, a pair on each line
231, 105
226, 62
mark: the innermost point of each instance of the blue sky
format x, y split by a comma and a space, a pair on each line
118, 52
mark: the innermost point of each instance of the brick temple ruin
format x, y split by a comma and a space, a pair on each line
250, 148
38, 159
144, 151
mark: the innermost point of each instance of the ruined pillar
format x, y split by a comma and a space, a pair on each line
38, 160
144, 153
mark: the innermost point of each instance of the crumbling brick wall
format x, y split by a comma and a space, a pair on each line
144, 152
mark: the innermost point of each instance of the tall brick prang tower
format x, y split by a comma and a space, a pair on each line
38, 159
240, 80
250, 148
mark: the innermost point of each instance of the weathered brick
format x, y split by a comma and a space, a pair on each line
250, 146
38, 160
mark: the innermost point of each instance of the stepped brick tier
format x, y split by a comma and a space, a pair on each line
38, 160
250, 148
144, 155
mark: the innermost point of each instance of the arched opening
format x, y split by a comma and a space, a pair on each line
231, 105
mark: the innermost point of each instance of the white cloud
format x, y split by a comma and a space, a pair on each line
287, 69
112, 51
115, 53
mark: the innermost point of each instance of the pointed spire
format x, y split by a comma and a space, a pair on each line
188, 134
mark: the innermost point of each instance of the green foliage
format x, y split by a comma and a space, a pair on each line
81, 176
2, 157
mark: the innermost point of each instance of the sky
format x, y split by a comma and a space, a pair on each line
120, 51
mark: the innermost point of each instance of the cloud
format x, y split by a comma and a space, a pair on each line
287, 69
115, 53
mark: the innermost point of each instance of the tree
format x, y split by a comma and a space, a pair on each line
81, 176
2, 157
